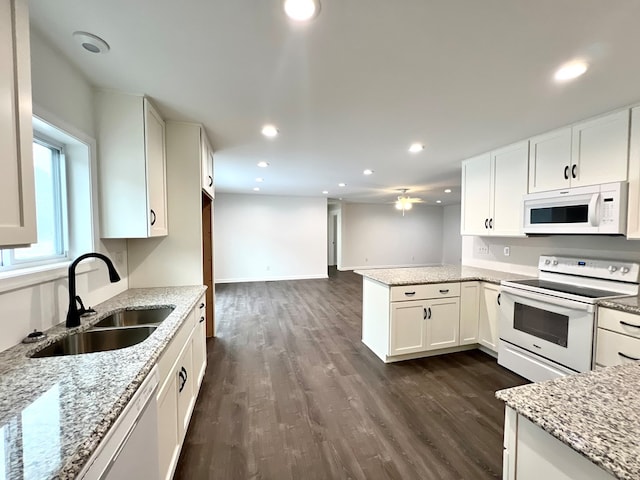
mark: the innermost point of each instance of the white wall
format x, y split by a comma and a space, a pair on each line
65, 94
524, 252
377, 236
261, 237
451, 238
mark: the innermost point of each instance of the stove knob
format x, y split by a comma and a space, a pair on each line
612, 268
624, 270
555, 262
547, 261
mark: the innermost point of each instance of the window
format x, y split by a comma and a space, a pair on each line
51, 210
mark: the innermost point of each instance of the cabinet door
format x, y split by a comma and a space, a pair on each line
407, 327
600, 150
488, 321
185, 378
633, 218
156, 170
616, 349
550, 160
200, 345
207, 165
168, 442
17, 188
443, 321
510, 171
469, 312
476, 195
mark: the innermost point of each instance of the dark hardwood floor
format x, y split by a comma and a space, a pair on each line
292, 393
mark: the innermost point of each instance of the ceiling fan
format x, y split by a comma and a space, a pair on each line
405, 202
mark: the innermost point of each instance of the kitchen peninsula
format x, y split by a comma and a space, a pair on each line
416, 312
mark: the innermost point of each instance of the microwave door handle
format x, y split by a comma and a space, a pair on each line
593, 210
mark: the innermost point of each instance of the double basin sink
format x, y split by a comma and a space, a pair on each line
119, 330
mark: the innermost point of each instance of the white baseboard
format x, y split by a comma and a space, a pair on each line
270, 279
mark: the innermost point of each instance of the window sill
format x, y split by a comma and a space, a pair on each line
28, 277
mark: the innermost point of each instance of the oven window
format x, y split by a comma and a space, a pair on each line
543, 324
566, 214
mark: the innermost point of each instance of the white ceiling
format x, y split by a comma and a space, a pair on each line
353, 88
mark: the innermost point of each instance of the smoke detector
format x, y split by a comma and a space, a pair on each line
91, 43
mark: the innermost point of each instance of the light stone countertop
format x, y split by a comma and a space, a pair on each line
596, 413
436, 274
628, 304
54, 411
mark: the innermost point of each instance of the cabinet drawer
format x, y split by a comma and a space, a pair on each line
622, 322
615, 348
170, 355
421, 292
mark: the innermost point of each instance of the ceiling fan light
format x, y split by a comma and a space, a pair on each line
407, 204
399, 205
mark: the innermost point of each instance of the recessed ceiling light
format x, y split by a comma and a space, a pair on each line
570, 70
416, 147
326, 192
342, 184
447, 190
438, 201
269, 131
263, 164
301, 10
91, 43
259, 179
256, 189
368, 171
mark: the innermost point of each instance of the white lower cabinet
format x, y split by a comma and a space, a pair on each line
469, 312
199, 341
617, 338
180, 370
531, 453
443, 320
488, 318
408, 327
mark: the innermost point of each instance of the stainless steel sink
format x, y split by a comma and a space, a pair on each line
134, 318
96, 341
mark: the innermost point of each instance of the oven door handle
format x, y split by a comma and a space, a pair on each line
550, 299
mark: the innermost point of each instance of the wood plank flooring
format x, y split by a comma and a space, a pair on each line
292, 393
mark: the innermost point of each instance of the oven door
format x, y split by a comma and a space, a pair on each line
557, 329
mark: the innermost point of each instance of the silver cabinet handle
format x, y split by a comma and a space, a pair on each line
628, 357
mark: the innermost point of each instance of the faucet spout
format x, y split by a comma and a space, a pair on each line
73, 315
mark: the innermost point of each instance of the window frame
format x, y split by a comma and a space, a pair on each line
8, 260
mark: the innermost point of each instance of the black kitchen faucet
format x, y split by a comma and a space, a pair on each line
73, 315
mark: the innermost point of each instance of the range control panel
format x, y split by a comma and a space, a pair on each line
588, 267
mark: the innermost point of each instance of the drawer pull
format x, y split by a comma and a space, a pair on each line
201, 320
628, 357
629, 324
446, 290
408, 294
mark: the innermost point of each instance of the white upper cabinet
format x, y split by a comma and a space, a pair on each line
600, 150
492, 189
17, 188
550, 160
476, 195
132, 167
589, 153
633, 219
207, 165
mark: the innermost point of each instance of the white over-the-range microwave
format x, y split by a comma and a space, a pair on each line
595, 209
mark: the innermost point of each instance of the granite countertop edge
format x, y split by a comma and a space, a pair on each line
183, 299
548, 406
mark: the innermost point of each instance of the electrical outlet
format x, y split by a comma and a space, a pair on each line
507, 251
483, 250
268, 268
119, 257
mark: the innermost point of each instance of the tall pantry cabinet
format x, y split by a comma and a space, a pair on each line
185, 256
